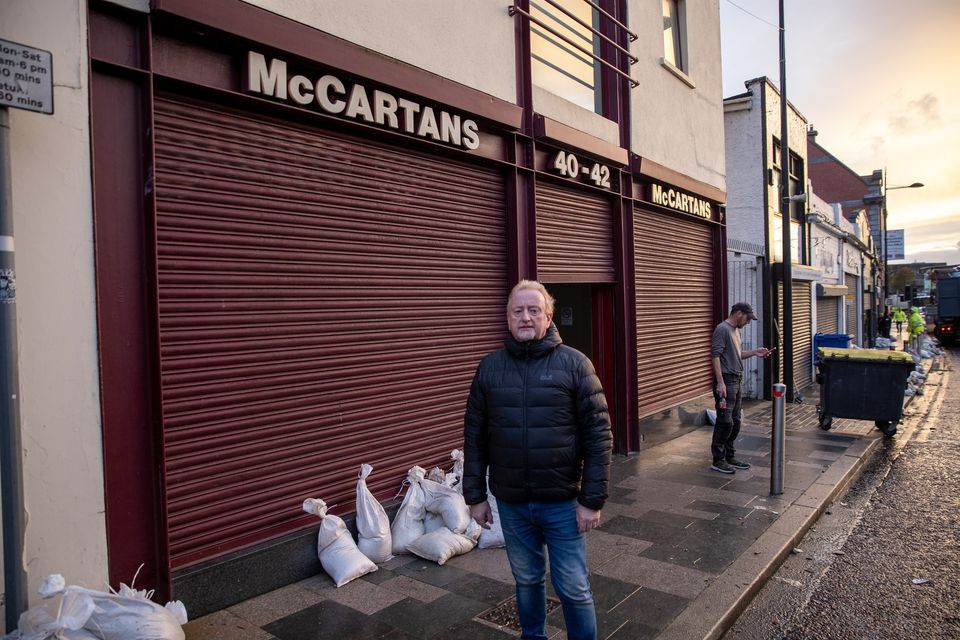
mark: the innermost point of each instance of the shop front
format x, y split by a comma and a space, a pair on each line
679, 257
305, 264
303, 249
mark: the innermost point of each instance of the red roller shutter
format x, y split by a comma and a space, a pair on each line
802, 333
324, 301
574, 235
828, 315
674, 284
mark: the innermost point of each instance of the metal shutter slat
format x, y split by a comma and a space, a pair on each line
574, 235
802, 336
674, 305
828, 314
323, 301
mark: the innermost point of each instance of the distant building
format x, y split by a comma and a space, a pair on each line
837, 183
754, 229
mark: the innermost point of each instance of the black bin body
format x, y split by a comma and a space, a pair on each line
863, 389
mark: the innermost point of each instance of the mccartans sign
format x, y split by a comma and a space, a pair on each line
353, 100
667, 197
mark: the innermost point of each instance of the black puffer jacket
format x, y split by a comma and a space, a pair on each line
537, 416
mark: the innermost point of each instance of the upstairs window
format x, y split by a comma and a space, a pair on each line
674, 34
558, 49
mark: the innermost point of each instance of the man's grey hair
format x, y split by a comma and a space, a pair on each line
535, 286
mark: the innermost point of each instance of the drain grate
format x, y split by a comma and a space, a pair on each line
504, 615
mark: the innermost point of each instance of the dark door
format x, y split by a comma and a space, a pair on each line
584, 316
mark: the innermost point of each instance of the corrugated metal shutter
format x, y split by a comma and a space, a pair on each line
674, 282
324, 301
828, 314
851, 304
574, 235
802, 331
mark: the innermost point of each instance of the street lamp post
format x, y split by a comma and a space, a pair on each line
882, 200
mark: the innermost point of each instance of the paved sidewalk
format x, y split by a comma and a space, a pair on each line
680, 550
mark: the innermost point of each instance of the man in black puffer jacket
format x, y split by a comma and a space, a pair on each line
537, 420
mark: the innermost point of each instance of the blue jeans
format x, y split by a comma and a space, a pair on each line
527, 527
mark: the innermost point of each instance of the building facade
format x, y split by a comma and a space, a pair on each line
835, 182
754, 227
286, 231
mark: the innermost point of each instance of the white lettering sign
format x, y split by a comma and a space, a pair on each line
680, 201
333, 96
26, 77
568, 165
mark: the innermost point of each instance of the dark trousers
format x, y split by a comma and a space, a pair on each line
727, 427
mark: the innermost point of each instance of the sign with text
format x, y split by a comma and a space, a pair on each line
895, 244
26, 77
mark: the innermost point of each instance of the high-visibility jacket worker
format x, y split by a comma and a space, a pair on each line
916, 322
899, 316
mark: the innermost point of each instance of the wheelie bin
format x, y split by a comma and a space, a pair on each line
863, 384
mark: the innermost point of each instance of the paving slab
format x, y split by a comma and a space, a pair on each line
680, 550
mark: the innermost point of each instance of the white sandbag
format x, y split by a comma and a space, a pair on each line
432, 522
37, 623
449, 504
408, 524
453, 479
373, 524
436, 474
441, 545
85, 613
338, 553
492, 538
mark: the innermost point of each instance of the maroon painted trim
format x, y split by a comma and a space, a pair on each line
521, 33
627, 432
649, 169
269, 29
555, 132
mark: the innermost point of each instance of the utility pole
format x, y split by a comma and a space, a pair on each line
786, 302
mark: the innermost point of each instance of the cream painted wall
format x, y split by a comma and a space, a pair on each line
59, 377
674, 124
469, 41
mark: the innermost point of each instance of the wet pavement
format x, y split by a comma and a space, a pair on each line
680, 551
883, 562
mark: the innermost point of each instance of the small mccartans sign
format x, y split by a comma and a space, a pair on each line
26, 77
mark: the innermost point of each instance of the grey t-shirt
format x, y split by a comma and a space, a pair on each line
726, 346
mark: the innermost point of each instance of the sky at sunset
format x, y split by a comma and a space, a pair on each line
880, 82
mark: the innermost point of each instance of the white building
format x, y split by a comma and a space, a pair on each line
754, 229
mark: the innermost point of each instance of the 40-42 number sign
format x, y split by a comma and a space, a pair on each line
568, 165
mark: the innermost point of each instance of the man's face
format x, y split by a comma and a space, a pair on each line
742, 319
526, 316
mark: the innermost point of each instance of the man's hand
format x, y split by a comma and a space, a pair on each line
721, 389
586, 518
763, 352
482, 514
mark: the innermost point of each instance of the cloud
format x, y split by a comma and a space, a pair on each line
916, 114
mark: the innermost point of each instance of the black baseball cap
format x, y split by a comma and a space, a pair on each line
745, 308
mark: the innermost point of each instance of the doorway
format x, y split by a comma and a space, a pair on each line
583, 314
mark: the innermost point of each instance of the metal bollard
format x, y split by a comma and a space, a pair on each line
777, 439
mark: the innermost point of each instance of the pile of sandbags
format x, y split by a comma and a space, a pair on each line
433, 522
82, 614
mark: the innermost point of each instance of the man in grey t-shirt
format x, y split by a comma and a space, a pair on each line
727, 356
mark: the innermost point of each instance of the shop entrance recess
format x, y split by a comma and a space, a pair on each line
584, 316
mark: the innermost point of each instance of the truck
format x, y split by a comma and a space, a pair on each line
947, 324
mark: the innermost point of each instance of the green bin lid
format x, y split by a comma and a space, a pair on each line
865, 355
